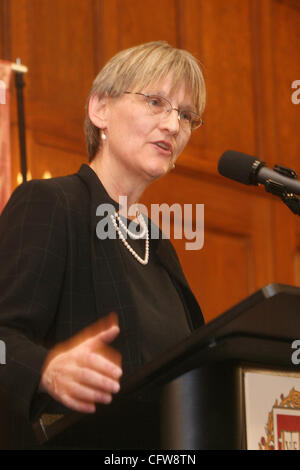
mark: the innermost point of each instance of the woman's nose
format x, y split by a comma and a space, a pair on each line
170, 121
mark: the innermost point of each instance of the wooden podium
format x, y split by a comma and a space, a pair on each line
195, 395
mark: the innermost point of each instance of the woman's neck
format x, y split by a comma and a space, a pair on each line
117, 182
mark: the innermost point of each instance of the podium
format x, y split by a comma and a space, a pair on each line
202, 393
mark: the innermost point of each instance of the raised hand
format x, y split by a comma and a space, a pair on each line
84, 370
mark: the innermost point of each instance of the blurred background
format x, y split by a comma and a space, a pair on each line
250, 54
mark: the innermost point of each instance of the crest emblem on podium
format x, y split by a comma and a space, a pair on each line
283, 426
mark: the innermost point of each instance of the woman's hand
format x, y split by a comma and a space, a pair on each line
84, 370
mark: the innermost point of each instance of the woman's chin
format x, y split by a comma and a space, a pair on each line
156, 171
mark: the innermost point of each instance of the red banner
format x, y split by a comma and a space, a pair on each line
5, 160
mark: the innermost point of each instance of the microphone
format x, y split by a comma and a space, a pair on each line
250, 170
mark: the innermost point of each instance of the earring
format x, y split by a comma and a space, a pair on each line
173, 166
103, 135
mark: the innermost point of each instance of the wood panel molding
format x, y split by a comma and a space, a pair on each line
290, 3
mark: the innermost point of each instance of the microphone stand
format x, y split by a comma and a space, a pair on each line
280, 190
19, 82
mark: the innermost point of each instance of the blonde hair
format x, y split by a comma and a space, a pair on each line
135, 68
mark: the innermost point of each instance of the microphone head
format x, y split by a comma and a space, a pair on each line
238, 166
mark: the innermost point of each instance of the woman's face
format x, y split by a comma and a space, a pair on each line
133, 132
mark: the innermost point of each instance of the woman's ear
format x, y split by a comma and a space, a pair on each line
98, 110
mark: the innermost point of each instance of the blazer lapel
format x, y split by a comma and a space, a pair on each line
169, 261
111, 289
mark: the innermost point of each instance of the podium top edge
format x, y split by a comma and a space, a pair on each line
273, 289
266, 292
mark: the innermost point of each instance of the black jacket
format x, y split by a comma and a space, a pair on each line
56, 277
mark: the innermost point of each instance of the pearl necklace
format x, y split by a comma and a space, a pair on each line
134, 236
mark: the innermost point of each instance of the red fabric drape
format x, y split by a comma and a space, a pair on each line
5, 159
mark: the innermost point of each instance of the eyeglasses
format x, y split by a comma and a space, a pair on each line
159, 105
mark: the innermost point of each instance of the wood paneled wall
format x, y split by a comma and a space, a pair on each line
250, 54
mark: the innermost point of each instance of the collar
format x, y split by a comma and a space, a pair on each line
98, 193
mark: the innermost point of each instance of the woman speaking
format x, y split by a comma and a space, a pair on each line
77, 310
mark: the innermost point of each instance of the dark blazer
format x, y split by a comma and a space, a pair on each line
56, 277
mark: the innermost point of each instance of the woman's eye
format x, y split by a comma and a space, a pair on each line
155, 101
186, 116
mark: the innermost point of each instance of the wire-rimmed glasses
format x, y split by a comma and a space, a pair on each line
159, 105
